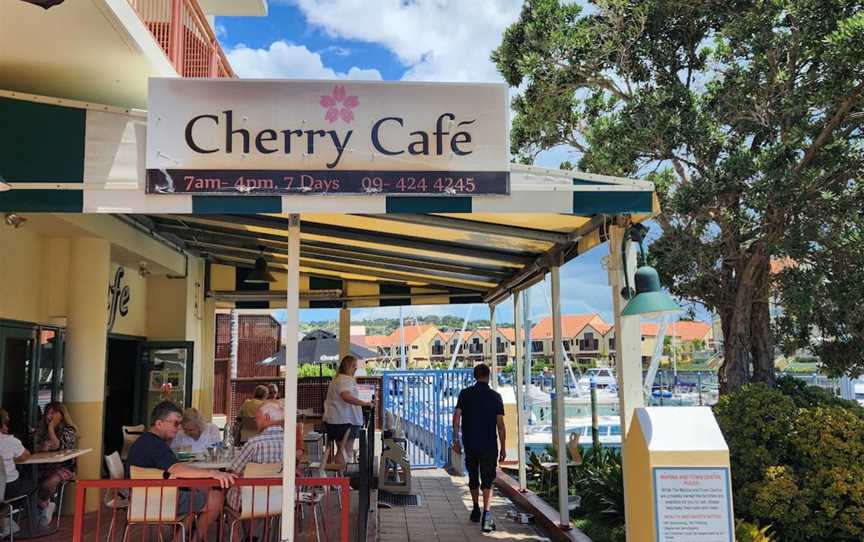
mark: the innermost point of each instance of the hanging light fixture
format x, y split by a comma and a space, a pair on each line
259, 275
649, 300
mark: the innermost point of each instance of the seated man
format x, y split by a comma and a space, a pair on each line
151, 451
195, 434
266, 446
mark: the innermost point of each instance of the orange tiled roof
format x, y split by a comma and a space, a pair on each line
778, 265
686, 331
572, 325
411, 333
373, 341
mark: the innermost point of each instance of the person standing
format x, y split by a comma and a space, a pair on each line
343, 408
480, 414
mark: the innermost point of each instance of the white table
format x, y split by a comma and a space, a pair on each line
32, 529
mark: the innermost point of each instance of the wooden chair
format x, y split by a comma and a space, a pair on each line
263, 503
153, 506
130, 435
119, 498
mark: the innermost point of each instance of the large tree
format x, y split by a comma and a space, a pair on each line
747, 116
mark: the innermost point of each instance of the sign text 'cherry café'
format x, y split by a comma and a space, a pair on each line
430, 152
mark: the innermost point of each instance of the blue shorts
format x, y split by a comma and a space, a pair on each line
198, 502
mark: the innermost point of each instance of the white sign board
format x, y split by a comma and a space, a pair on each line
231, 136
692, 504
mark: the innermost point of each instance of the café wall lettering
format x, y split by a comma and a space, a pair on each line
118, 298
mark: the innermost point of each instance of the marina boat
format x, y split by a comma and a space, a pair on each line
539, 437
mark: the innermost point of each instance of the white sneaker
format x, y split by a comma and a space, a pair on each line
47, 513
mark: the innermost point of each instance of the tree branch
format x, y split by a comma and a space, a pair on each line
839, 115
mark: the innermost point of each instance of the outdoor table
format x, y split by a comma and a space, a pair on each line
33, 529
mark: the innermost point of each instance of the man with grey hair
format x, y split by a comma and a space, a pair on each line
195, 435
265, 447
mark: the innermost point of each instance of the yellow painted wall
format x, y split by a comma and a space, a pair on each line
20, 274
84, 383
166, 309
135, 321
55, 279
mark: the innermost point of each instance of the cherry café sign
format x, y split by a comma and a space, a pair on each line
251, 137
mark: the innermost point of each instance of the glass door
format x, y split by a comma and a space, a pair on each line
49, 384
17, 359
166, 375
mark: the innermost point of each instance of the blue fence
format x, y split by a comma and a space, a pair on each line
422, 403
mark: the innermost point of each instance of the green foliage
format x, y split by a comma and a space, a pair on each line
599, 480
747, 117
806, 396
312, 369
797, 457
749, 532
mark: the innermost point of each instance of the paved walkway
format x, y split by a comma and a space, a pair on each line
443, 514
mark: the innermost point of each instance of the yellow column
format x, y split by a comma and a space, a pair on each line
86, 341
208, 354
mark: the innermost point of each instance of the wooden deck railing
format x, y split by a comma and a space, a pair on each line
182, 31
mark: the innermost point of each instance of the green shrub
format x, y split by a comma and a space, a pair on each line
797, 459
312, 369
806, 396
749, 532
599, 480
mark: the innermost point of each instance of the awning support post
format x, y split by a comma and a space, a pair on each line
493, 347
628, 351
518, 383
344, 332
292, 321
561, 418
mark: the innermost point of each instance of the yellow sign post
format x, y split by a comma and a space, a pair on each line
677, 481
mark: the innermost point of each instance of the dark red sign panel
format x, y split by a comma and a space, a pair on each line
448, 183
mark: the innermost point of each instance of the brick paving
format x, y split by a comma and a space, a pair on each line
443, 515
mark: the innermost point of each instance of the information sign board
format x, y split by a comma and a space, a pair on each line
692, 504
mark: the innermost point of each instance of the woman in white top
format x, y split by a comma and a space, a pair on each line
12, 451
343, 408
195, 434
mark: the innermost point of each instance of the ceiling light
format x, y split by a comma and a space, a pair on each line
14, 220
260, 275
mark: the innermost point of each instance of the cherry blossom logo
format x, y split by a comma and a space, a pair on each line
338, 105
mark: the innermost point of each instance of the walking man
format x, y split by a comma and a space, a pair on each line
480, 413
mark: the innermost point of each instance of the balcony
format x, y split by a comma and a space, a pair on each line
183, 33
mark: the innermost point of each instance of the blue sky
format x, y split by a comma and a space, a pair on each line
426, 40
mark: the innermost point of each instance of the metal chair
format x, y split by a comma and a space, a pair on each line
120, 498
8, 507
336, 468
153, 506
257, 503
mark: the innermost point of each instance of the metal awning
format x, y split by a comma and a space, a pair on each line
70, 157
367, 260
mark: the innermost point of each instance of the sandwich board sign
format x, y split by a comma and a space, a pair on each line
251, 137
677, 485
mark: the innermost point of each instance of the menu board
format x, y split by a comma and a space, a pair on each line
693, 504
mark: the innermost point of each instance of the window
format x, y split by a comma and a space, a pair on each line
615, 430
500, 345
414, 347
536, 346
437, 348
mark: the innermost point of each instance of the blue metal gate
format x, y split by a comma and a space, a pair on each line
422, 403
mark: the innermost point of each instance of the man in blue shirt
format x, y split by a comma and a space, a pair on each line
480, 413
151, 451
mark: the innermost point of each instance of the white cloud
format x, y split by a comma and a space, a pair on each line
286, 60
438, 40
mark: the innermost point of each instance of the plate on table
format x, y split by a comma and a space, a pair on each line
187, 456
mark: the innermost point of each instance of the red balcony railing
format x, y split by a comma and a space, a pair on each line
183, 33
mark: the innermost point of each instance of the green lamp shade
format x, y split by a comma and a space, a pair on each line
650, 299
